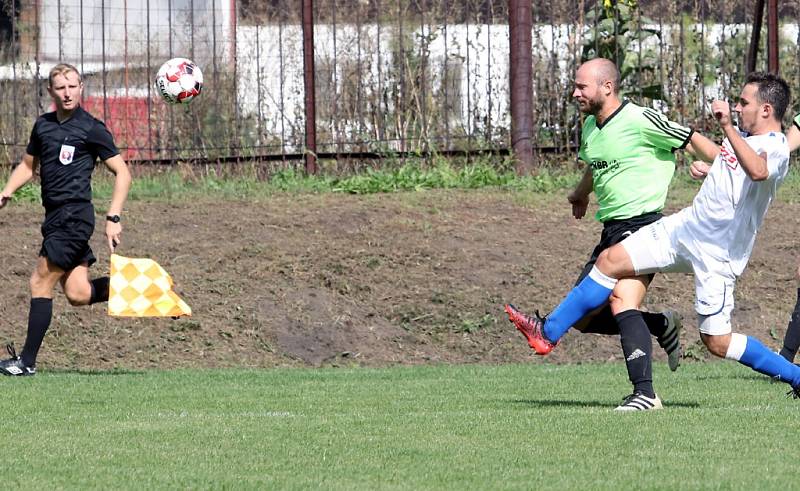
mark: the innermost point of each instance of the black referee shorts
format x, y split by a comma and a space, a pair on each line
614, 232
66, 232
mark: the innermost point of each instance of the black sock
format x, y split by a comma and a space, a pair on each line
38, 322
602, 323
638, 350
791, 340
656, 323
99, 290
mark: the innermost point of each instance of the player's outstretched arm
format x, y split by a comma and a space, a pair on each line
20, 176
702, 148
122, 184
793, 136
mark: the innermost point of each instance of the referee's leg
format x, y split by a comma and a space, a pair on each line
44, 278
75, 283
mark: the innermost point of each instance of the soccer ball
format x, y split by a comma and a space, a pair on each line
179, 81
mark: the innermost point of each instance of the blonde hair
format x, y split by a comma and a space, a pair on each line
62, 69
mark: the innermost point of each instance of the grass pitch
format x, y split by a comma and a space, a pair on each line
532, 426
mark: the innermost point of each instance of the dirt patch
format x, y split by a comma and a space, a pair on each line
405, 278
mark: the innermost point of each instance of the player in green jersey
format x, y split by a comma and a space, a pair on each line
629, 152
791, 340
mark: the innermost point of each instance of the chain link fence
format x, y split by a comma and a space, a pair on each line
392, 76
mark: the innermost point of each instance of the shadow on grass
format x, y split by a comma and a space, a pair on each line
87, 371
744, 375
558, 403
593, 404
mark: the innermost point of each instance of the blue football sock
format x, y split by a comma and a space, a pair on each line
763, 360
592, 292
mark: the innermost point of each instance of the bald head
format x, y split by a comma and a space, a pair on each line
602, 71
597, 88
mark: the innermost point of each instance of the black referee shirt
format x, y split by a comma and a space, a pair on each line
67, 153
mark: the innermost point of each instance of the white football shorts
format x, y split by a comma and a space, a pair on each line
660, 247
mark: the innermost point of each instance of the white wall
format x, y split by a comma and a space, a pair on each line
263, 50
94, 31
261, 54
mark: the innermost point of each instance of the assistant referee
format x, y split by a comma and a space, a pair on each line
64, 145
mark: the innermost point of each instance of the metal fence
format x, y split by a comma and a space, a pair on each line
391, 75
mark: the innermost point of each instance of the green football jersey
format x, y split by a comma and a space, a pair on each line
632, 160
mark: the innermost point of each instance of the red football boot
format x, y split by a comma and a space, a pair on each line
531, 328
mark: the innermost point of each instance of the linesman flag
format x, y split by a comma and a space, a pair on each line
139, 287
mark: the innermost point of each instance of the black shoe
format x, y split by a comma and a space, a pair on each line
794, 393
14, 365
670, 340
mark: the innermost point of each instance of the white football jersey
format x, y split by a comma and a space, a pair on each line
729, 208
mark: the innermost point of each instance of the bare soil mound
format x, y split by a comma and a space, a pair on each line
321, 280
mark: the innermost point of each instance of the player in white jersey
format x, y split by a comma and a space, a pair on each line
791, 340
713, 238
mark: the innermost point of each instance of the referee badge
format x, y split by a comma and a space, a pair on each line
66, 154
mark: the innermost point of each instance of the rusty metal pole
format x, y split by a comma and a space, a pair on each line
772, 36
755, 38
308, 79
520, 24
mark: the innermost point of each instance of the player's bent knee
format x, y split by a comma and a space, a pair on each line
40, 287
617, 304
78, 301
717, 345
613, 262
604, 263
77, 297
603, 259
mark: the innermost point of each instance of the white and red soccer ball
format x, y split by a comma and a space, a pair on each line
179, 81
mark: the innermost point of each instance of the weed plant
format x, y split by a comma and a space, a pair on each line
218, 183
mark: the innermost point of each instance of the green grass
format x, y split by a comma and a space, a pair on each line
446, 427
244, 182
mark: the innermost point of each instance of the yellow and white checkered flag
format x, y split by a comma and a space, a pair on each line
141, 288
